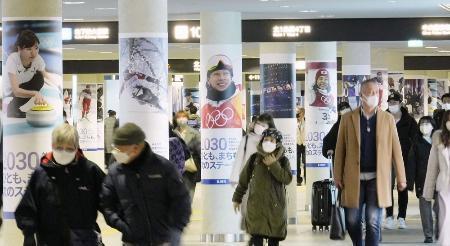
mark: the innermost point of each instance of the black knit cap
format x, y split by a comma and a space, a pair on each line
395, 96
220, 66
272, 132
128, 134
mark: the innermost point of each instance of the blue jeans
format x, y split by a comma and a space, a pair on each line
372, 216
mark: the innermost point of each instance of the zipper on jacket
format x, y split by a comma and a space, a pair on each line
147, 218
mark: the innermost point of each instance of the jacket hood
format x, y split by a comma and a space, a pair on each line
48, 161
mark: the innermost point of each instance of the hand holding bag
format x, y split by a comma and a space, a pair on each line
337, 229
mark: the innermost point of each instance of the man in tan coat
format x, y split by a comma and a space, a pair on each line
366, 149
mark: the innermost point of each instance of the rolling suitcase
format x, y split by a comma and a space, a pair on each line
322, 199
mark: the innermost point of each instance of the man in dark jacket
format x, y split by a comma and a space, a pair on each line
438, 113
143, 195
329, 141
407, 131
62, 198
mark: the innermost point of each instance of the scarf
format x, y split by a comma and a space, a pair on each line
217, 96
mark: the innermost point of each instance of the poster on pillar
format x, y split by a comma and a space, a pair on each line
396, 81
351, 84
67, 96
100, 117
32, 99
442, 88
87, 116
414, 97
143, 95
278, 89
432, 95
321, 112
221, 110
381, 76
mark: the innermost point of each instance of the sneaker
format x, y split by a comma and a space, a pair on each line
401, 223
428, 240
389, 223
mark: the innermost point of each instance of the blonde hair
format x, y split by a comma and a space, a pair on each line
65, 134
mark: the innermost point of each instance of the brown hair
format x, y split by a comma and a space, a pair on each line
445, 134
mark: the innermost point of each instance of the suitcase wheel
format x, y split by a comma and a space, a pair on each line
327, 228
314, 228
320, 228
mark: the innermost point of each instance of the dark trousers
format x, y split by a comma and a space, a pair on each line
258, 240
301, 158
372, 216
35, 84
402, 204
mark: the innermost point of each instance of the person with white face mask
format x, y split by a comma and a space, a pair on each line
61, 202
438, 178
157, 206
416, 170
366, 150
407, 131
266, 174
248, 147
438, 113
192, 139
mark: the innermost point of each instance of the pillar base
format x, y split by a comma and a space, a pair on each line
222, 238
292, 221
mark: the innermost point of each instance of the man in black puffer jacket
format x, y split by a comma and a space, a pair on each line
407, 131
61, 201
143, 195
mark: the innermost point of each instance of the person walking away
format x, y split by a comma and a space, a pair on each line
407, 131
329, 141
366, 150
265, 176
61, 202
111, 123
416, 170
143, 195
438, 178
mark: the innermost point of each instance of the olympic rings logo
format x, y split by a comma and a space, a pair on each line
326, 100
219, 118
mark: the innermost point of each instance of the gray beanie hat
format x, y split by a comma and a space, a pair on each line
128, 134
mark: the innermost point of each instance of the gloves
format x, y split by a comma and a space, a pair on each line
269, 160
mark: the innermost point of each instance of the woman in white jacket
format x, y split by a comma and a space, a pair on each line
438, 177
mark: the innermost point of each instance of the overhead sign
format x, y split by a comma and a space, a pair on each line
290, 30
252, 77
436, 29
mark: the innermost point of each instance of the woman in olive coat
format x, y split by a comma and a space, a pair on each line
265, 175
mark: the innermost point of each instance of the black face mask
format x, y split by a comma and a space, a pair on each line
215, 95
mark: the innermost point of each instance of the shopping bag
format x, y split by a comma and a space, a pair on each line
337, 227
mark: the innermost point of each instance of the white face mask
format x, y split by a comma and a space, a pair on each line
426, 129
120, 156
394, 108
63, 157
371, 101
447, 124
259, 129
446, 106
268, 146
182, 121
344, 111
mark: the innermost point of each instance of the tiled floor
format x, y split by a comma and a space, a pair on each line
300, 234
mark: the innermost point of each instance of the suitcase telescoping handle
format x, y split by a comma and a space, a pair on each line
330, 159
